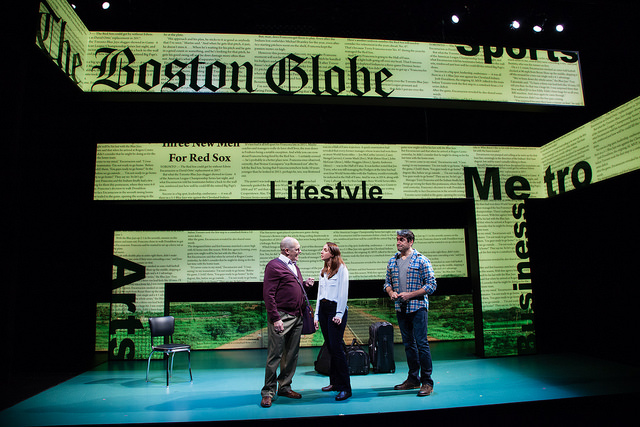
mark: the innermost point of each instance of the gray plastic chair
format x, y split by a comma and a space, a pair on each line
164, 327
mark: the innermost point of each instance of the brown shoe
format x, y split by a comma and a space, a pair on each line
407, 385
290, 394
266, 402
425, 390
327, 388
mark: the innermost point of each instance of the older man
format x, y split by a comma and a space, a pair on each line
284, 298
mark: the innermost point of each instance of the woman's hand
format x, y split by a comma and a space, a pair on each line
337, 320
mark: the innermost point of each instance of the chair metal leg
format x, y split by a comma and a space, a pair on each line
168, 357
149, 363
169, 365
171, 371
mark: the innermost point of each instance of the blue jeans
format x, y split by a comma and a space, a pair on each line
413, 327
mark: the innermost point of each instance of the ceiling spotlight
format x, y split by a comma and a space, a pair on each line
537, 28
515, 25
106, 5
559, 28
455, 19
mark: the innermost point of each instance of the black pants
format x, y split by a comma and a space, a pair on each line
334, 337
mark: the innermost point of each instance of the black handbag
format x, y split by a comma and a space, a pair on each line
323, 362
357, 358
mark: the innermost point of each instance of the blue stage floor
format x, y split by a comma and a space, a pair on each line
226, 388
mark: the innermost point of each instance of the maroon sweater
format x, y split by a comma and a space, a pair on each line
281, 290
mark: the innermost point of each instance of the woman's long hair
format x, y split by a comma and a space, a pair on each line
332, 265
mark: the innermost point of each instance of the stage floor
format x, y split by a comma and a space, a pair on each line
226, 389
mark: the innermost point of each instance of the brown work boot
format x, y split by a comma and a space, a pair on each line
407, 385
425, 390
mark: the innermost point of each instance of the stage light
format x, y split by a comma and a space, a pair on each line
106, 5
559, 28
455, 19
537, 28
515, 25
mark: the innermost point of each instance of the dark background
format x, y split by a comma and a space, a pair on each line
584, 254
60, 241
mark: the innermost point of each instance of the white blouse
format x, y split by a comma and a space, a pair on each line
336, 289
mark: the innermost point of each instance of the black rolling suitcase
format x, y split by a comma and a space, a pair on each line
381, 347
357, 359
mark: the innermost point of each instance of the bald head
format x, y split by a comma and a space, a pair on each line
290, 248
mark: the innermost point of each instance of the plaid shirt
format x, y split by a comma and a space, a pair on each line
419, 275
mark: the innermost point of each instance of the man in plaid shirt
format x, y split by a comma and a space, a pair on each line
409, 282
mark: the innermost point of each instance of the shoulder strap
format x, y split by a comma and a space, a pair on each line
304, 292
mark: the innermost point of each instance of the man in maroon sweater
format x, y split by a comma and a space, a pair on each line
284, 297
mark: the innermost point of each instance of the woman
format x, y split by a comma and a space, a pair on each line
331, 314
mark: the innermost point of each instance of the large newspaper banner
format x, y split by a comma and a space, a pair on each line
132, 62
196, 256
499, 179
63, 38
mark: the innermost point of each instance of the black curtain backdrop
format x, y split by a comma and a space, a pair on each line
584, 257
